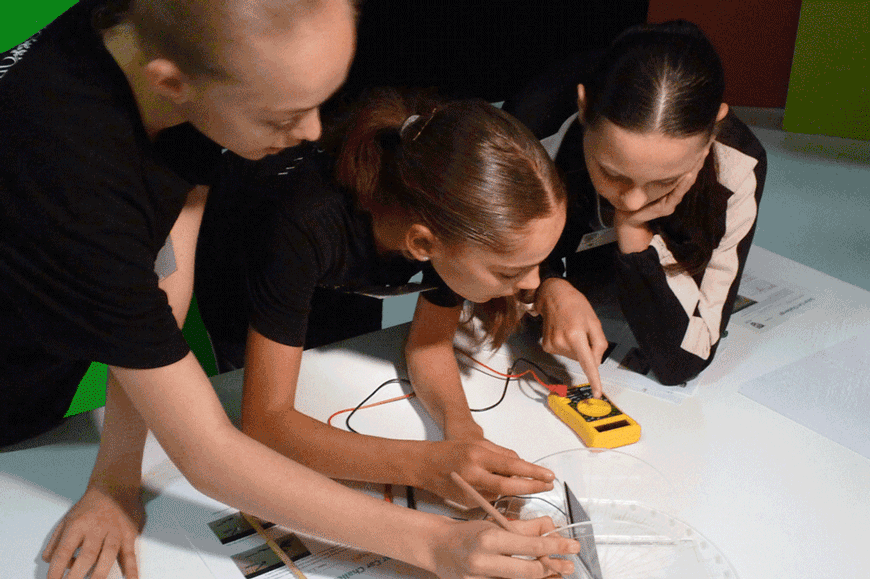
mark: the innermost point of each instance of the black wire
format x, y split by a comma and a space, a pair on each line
538, 368
367, 398
527, 497
503, 392
490, 407
508, 379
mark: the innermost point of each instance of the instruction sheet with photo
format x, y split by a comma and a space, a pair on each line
764, 303
314, 559
232, 549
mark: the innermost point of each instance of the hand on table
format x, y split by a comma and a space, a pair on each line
103, 527
571, 327
491, 469
482, 549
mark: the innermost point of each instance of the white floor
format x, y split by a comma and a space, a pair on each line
816, 204
815, 209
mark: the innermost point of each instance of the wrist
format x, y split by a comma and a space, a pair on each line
433, 543
119, 474
633, 238
464, 428
549, 283
416, 463
123, 489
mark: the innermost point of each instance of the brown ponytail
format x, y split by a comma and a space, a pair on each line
468, 171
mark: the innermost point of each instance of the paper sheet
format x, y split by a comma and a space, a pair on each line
231, 549
804, 392
763, 304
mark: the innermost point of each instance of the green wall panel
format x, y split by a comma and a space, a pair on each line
21, 19
829, 90
92, 390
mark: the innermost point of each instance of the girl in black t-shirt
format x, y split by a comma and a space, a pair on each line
461, 187
654, 161
97, 115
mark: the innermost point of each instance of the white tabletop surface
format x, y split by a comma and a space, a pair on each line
776, 498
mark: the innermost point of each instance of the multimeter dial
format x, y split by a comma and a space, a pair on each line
593, 407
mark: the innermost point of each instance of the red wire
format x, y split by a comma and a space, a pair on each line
558, 389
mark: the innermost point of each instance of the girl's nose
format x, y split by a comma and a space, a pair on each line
530, 281
634, 199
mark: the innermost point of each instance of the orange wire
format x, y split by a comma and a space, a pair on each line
411, 395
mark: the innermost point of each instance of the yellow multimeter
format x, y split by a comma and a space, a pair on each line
599, 423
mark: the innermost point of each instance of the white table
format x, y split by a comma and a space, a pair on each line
778, 499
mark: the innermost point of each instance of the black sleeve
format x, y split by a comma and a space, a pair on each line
677, 319
80, 218
294, 245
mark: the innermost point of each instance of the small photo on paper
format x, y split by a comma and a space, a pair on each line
233, 527
742, 302
261, 560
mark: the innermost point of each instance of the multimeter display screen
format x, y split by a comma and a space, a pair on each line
611, 426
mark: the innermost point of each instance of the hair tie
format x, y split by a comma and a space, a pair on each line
413, 118
407, 122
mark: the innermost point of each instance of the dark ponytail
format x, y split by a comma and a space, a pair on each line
667, 78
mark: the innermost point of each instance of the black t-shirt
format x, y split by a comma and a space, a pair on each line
86, 202
301, 233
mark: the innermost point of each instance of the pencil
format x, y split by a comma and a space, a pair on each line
484, 504
274, 546
499, 518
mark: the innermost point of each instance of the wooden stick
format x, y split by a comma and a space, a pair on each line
499, 518
484, 504
274, 546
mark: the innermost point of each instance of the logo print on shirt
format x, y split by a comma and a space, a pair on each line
13, 56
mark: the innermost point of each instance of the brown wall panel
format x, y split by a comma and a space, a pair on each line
755, 39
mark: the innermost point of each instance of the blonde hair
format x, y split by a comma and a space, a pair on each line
196, 34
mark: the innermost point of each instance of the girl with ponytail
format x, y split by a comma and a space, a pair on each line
458, 190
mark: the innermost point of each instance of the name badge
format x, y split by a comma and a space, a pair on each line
597, 238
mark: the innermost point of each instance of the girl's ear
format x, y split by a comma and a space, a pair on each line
581, 102
723, 112
168, 81
720, 116
420, 243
